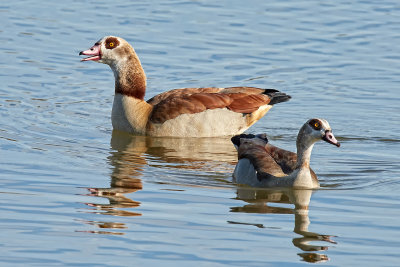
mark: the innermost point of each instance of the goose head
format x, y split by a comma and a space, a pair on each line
109, 50
315, 130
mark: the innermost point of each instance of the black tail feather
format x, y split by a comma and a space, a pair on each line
276, 96
236, 139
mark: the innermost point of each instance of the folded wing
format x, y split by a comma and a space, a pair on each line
244, 100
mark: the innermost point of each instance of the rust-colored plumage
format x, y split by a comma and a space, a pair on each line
270, 160
171, 104
247, 103
211, 111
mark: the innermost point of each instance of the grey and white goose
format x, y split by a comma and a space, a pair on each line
188, 112
261, 164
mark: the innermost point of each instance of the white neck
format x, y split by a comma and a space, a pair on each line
304, 154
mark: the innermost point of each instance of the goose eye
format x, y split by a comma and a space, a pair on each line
111, 43
315, 124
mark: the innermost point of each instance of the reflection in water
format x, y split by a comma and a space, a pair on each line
127, 167
258, 200
102, 225
117, 199
131, 154
205, 154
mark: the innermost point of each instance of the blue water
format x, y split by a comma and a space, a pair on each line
72, 192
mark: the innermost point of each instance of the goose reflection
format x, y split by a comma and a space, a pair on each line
185, 153
127, 164
258, 200
130, 155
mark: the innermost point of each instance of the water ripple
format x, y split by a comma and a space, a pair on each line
66, 176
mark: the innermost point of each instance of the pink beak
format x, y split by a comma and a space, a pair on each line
330, 138
94, 53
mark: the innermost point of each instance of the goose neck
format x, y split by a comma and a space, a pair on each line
130, 78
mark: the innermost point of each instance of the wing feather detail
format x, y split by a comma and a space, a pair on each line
244, 100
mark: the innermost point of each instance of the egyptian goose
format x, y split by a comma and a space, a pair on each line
189, 112
264, 165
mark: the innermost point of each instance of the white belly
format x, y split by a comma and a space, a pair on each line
210, 123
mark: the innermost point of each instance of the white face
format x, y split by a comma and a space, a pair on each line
319, 129
108, 50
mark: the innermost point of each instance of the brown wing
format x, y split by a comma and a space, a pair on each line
171, 104
286, 159
261, 160
268, 160
245, 103
180, 93
187, 104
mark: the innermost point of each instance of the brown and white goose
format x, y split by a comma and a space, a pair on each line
264, 165
189, 112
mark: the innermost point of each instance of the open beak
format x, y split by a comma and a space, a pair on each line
330, 138
94, 53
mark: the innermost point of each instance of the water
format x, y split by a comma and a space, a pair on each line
75, 193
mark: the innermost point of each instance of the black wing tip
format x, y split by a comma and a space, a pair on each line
280, 99
276, 96
236, 139
270, 91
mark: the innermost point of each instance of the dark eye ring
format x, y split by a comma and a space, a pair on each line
315, 124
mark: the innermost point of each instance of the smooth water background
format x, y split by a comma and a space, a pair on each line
74, 193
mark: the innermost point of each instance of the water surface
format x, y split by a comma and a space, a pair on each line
74, 192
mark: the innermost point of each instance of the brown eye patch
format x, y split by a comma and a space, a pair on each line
111, 43
316, 124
